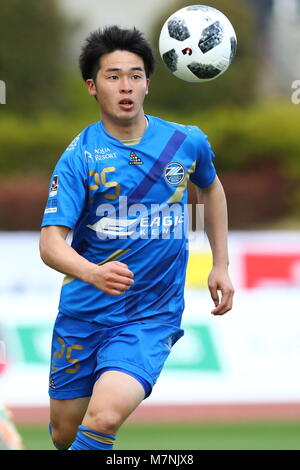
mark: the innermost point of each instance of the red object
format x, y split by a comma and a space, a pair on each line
271, 268
185, 413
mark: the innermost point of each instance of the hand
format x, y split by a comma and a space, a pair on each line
112, 278
219, 280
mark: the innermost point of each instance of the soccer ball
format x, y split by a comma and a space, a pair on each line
197, 43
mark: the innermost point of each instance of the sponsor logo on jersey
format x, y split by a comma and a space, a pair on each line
51, 206
134, 159
141, 227
140, 221
73, 144
88, 156
174, 173
54, 186
50, 210
104, 153
114, 226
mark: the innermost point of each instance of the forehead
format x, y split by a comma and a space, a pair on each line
121, 60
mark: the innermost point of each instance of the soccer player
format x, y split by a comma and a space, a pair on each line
121, 187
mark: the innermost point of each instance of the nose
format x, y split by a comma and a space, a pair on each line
125, 86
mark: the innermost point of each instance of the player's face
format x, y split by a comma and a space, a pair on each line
120, 87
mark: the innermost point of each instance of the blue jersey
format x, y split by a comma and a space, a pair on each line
128, 203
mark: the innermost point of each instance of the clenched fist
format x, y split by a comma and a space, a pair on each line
112, 278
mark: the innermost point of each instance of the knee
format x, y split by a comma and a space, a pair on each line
107, 422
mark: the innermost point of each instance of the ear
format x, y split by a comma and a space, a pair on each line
91, 87
147, 89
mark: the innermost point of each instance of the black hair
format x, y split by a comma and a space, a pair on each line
108, 40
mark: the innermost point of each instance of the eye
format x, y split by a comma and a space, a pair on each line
113, 77
136, 77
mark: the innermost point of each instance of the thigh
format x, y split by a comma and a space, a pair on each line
139, 347
115, 396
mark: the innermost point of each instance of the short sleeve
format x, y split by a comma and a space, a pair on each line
68, 189
205, 171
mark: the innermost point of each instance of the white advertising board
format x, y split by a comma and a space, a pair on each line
249, 355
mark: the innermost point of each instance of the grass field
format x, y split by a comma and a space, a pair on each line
212, 436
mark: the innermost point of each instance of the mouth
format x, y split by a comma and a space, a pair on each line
126, 104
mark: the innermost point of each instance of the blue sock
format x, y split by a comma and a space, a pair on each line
87, 439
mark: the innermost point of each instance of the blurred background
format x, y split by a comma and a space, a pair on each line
231, 382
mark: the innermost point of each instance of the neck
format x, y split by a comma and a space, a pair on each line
126, 130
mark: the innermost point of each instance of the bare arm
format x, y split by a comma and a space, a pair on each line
216, 227
112, 278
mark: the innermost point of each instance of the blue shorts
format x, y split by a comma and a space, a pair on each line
81, 350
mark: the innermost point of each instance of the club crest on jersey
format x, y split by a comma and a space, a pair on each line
134, 159
174, 173
54, 186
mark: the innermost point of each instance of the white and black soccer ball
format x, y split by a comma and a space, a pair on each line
197, 43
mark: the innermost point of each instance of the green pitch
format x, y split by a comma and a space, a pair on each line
212, 436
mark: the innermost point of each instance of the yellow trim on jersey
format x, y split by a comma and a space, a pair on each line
113, 257
131, 141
